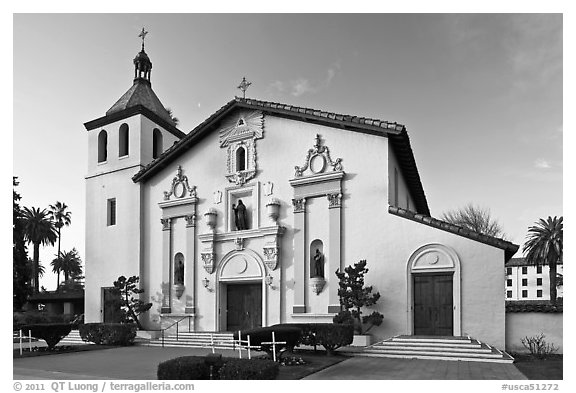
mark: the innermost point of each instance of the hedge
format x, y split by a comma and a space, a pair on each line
249, 369
290, 334
108, 333
198, 368
185, 367
52, 333
330, 335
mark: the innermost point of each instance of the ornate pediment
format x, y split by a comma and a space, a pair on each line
318, 160
180, 187
244, 125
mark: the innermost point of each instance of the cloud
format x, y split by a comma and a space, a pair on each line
301, 86
542, 164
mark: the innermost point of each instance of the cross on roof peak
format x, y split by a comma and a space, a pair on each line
244, 86
143, 36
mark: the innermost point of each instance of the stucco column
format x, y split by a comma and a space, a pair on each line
166, 265
334, 247
190, 278
299, 306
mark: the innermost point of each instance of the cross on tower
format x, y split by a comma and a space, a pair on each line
143, 36
244, 86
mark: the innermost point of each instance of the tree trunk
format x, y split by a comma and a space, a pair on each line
35, 269
553, 282
58, 256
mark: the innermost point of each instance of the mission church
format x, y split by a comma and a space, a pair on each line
243, 221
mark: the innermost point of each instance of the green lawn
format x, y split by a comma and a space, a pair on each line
315, 361
532, 368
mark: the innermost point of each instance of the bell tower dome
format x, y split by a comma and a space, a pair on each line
142, 63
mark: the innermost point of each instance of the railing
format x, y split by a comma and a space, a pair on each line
177, 323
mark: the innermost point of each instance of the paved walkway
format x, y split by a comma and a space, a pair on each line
370, 368
140, 362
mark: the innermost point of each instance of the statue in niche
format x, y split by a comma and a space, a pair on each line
240, 216
317, 265
179, 272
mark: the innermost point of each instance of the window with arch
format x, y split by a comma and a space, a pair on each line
123, 140
156, 143
240, 159
179, 269
102, 146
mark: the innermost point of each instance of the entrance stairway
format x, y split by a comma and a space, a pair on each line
221, 340
73, 338
436, 348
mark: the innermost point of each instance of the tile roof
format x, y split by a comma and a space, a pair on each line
397, 134
509, 248
141, 93
535, 306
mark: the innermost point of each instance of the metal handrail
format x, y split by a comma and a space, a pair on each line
177, 327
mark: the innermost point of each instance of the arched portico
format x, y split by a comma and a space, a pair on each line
240, 280
433, 282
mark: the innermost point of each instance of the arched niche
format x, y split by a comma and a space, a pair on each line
434, 259
240, 159
179, 269
316, 258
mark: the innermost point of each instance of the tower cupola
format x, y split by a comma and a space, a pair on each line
142, 63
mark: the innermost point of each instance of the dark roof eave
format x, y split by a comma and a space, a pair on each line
509, 248
131, 111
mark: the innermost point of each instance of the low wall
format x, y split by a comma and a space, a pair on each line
523, 321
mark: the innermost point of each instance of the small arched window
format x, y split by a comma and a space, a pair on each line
240, 159
123, 140
102, 146
156, 143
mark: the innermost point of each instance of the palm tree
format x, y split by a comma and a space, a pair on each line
61, 218
71, 264
544, 246
39, 230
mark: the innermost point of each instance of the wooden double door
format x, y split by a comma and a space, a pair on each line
433, 305
244, 306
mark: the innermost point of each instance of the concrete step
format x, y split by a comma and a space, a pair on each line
440, 357
400, 347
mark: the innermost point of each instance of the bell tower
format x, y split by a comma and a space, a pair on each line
133, 132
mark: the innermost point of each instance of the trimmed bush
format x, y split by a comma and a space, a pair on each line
108, 333
289, 334
334, 336
249, 369
185, 367
20, 319
52, 333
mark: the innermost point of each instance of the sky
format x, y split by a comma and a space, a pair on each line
481, 95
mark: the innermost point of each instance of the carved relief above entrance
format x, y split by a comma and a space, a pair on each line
318, 160
238, 136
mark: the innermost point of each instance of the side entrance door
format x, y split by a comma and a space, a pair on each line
111, 312
244, 304
433, 314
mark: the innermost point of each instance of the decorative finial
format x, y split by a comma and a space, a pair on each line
244, 86
143, 36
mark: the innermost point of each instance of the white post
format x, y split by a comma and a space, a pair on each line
239, 344
212, 341
249, 356
30, 340
20, 342
274, 345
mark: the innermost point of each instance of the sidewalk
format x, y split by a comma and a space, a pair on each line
141, 363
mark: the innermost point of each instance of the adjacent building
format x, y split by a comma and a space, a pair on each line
529, 282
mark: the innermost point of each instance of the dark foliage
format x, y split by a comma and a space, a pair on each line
289, 334
130, 305
244, 369
185, 367
122, 334
21, 271
20, 319
52, 333
330, 335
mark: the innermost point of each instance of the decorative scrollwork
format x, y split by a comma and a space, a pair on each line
180, 187
299, 205
334, 200
165, 223
322, 155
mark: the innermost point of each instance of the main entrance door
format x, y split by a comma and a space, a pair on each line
433, 314
244, 304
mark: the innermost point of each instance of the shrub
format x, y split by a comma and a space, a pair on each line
289, 334
19, 319
334, 336
108, 333
249, 369
538, 347
185, 367
52, 333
